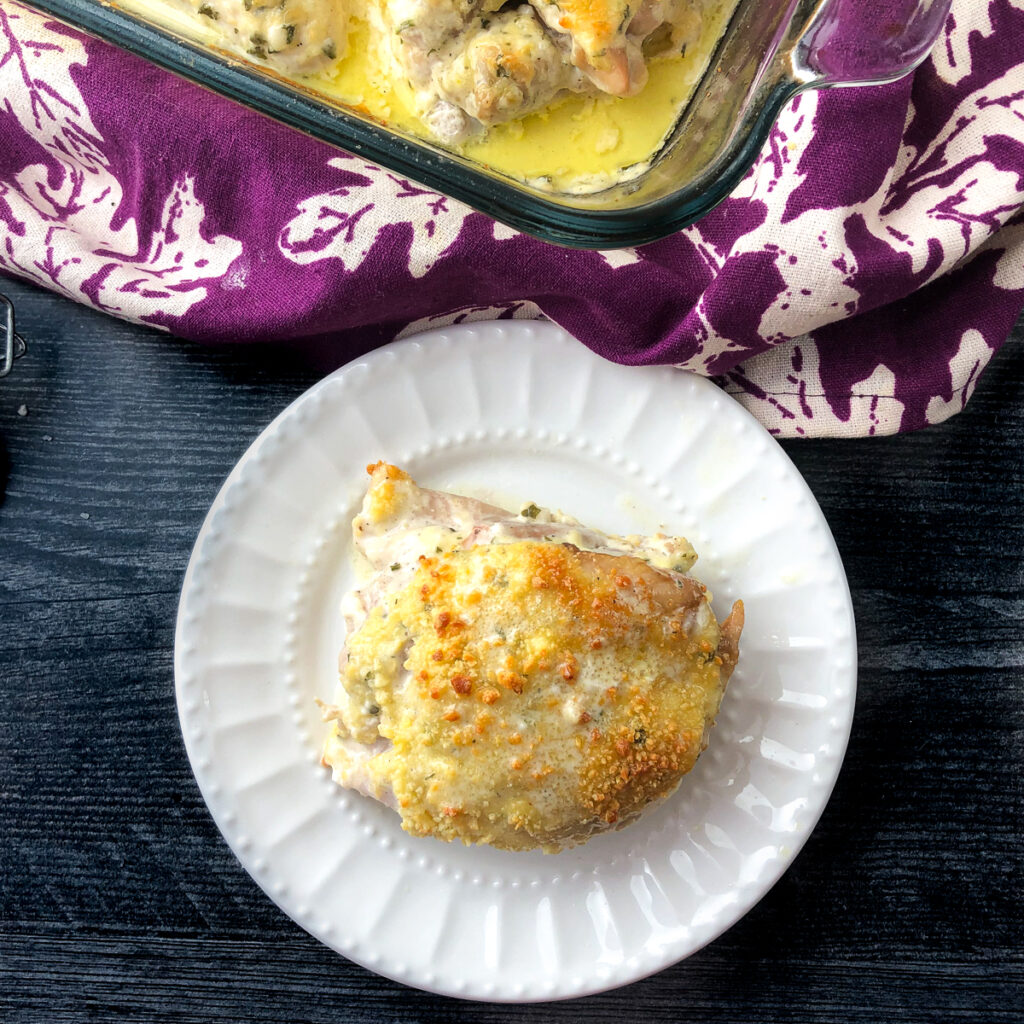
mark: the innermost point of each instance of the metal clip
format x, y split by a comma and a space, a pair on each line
13, 344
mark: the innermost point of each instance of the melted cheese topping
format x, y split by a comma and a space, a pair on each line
532, 693
594, 23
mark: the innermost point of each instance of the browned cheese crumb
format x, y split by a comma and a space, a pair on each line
535, 693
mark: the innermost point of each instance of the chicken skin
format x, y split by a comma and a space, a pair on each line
506, 70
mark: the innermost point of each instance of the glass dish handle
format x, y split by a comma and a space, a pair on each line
867, 42
12, 345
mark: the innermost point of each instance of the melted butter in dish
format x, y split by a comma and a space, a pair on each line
568, 95
520, 680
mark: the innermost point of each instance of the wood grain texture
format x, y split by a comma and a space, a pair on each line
122, 903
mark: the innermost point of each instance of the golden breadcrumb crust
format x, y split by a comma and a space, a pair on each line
535, 693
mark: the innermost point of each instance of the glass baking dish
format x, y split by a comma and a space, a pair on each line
770, 50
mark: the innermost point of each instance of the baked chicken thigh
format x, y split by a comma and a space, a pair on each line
519, 680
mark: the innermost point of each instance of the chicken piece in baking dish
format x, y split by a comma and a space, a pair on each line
473, 65
519, 680
509, 67
296, 36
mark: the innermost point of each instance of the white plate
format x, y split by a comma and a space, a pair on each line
513, 412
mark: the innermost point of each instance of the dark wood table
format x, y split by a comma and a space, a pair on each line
121, 902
